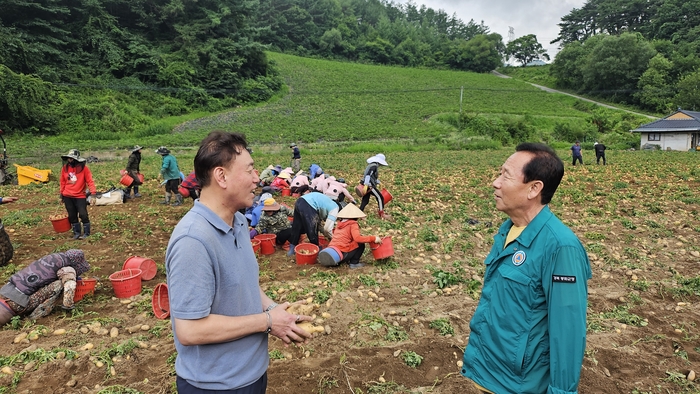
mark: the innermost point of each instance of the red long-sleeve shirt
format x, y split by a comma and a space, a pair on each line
75, 179
346, 236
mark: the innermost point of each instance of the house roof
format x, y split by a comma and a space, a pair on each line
680, 121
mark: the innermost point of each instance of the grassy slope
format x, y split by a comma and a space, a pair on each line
335, 101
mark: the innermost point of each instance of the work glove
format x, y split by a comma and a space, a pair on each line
377, 240
365, 188
62, 199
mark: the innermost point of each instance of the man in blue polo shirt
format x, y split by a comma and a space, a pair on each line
221, 317
528, 333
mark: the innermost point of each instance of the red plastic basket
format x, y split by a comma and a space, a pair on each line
84, 287
147, 266
256, 246
126, 283
304, 259
160, 302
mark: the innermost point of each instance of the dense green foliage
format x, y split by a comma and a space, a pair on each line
378, 31
526, 49
113, 66
639, 52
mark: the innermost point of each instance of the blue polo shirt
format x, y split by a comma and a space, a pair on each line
528, 333
211, 269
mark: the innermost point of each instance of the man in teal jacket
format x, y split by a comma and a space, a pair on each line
528, 333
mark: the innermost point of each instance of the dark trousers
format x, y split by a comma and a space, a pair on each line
353, 256
283, 236
599, 156
172, 185
372, 192
305, 220
76, 207
259, 387
579, 158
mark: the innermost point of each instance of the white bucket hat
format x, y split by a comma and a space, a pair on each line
378, 158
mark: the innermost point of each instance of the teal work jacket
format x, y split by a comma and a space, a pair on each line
169, 169
528, 333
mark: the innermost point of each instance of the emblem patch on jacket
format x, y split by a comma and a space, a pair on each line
518, 258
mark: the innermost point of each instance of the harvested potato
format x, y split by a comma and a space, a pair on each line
310, 328
300, 309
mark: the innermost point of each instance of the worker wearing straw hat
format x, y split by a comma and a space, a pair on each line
370, 181
281, 182
133, 169
347, 238
275, 220
75, 177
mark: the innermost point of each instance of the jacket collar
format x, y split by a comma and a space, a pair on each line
532, 229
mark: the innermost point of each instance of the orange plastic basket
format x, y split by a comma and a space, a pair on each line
84, 287
126, 283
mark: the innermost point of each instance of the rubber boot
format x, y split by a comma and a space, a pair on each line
178, 199
291, 250
136, 192
86, 230
167, 198
383, 215
127, 193
76, 230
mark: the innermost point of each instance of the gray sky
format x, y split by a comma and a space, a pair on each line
539, 17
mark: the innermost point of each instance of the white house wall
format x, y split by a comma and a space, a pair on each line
676, 141
673, 141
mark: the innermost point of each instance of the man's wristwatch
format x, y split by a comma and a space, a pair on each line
271, 307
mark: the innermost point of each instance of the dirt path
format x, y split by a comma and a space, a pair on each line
550, 90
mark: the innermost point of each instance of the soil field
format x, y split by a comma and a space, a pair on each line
397, 325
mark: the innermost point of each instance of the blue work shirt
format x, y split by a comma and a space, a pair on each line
528, 333
169, 169
576, 150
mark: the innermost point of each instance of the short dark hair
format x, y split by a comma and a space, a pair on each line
217, 149
545, 166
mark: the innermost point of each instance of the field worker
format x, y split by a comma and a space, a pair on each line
190, 187
275, 220
337, 191
319, 183
6, 248
309, 210
299, 180
133, 169
296, 157
35, 289
75, 177
314, 171
171, 175
576, 153
599, 153
221, 318
281, 182
269, 174
347, 238
528, 333
370, 182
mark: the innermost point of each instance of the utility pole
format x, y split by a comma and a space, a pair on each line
459, 118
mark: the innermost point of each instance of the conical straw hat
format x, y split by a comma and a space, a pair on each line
351, 211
